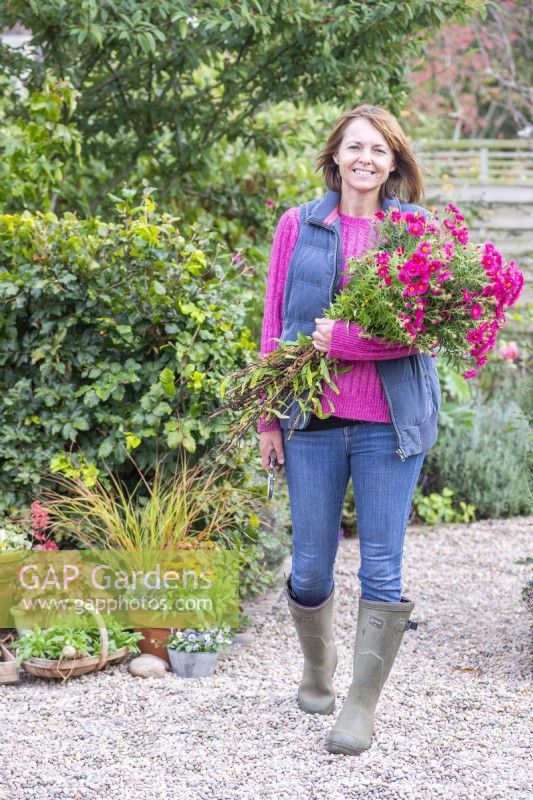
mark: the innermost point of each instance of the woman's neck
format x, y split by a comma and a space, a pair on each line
359, 204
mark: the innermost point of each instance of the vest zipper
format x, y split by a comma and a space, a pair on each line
399, 452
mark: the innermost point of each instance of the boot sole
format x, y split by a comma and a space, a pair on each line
328, 710
342, 749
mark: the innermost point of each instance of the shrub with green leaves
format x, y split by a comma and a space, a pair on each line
115, 337
438, 507
490, 464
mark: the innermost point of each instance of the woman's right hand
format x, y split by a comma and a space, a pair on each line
268, 441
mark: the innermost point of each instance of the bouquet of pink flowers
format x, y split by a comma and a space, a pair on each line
427, 286
422, 284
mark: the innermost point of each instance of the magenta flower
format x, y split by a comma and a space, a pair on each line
449, 250
270, 203
470, 374
396, 216
461, 234
380, 214
416, 228
236, 258
382, 258
444, 276
476, 311
453, 208
424, 248
422, 287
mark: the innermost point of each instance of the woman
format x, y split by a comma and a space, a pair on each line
385, 420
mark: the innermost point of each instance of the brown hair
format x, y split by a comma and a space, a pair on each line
407, 176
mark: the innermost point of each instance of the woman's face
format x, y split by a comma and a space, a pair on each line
364, 157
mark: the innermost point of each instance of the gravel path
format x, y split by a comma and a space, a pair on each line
453, 720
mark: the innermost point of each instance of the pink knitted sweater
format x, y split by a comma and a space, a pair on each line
361, 392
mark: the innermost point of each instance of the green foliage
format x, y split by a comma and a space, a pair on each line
36, 144
64, 643
438, 507
454, 413
115, 336
15, 534
265, 546
171, 79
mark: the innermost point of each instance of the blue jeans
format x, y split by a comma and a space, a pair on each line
318, 466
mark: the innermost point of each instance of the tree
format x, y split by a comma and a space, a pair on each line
475, 80
174, 78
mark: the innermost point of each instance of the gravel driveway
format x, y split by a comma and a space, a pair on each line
453, 720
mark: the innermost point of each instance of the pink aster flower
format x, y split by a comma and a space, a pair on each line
379, 214
476, 311
396, 216
453, 208
422, 287
382, 258
424, 248
470, 374
416, 228
449, 250
461, 234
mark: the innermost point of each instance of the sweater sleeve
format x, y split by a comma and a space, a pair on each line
283, 246
346, 344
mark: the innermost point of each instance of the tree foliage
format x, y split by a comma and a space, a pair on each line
170, 78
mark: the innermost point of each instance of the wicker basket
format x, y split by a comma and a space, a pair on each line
119, 655
8, 669
48, 668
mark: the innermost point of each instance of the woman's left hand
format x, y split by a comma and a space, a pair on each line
322, 334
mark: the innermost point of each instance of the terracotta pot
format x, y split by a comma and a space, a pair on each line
154, 642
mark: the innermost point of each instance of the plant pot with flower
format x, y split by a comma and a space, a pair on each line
194, 654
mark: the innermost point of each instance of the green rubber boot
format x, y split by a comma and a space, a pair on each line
380, 629
314, 625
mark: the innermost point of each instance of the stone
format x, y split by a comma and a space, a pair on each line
147, 666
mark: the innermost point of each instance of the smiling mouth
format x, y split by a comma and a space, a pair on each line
363, 172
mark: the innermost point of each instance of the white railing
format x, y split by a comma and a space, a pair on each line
500, 161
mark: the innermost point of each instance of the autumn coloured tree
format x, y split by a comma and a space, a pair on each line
475, 79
